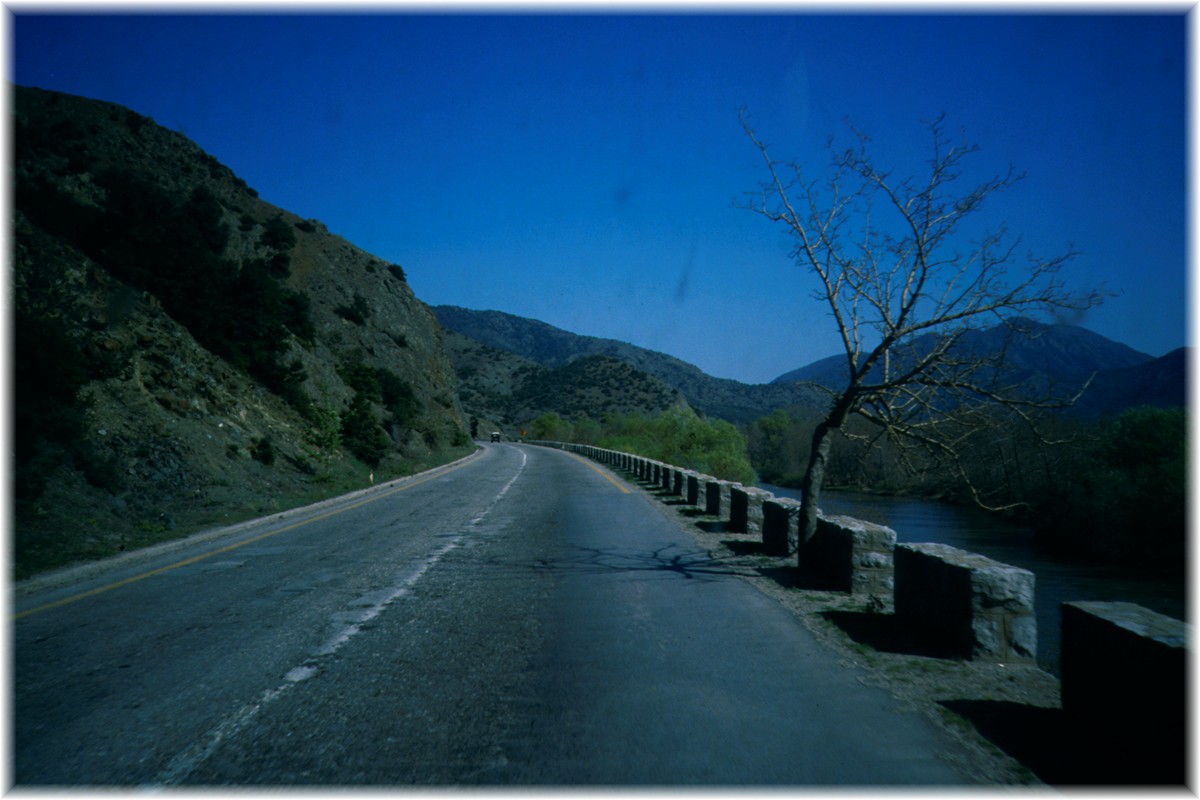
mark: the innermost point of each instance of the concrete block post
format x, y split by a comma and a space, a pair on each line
677, 481
1125, 689
978, 608
692, 493
781, 525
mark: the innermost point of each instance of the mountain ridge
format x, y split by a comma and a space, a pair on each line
553, 347
1040, 354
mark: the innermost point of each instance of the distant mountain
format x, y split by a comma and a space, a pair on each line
553, 347
1060, 358
506, 391
1159, 382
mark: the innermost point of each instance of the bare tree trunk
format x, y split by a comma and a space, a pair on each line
814, 477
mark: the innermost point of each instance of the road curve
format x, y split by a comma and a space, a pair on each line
517, 618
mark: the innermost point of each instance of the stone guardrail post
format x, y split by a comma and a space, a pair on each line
692, 486
717, 497
746, 509
1124, 689
980, 608
849, 555
780, 527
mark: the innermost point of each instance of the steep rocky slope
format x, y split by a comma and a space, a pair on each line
186, 353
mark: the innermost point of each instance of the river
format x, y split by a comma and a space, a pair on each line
1057, 580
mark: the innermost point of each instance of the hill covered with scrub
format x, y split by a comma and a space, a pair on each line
187, 354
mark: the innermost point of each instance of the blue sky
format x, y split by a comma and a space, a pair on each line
584, 169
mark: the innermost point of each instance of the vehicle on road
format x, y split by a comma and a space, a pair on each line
495, 436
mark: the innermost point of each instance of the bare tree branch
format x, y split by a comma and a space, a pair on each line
904, 284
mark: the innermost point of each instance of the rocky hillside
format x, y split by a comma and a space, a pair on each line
187, 354
505, 391
551, 347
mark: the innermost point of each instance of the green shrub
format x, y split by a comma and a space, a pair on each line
277, 234
551, 427
50, 407
357, 312
263, 451
362, 434
1125, 497
682, 438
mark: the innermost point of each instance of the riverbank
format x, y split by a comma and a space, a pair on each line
1059, 577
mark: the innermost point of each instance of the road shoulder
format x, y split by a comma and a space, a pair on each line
930, 686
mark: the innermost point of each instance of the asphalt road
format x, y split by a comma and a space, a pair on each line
523, 617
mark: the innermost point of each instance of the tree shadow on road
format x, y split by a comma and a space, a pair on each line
691, 564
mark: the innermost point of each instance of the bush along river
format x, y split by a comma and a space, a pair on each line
1056, 580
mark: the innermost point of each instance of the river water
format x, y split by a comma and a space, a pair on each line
1056, 580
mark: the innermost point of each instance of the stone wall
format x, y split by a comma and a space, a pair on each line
976, 607
781, 521
746, 509
1124, 688
850, 555
716, 497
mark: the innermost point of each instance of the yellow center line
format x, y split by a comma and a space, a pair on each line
188, 561
608, 477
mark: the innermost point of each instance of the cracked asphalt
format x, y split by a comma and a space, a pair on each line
517, 619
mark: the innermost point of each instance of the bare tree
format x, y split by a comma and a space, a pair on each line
905, 279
